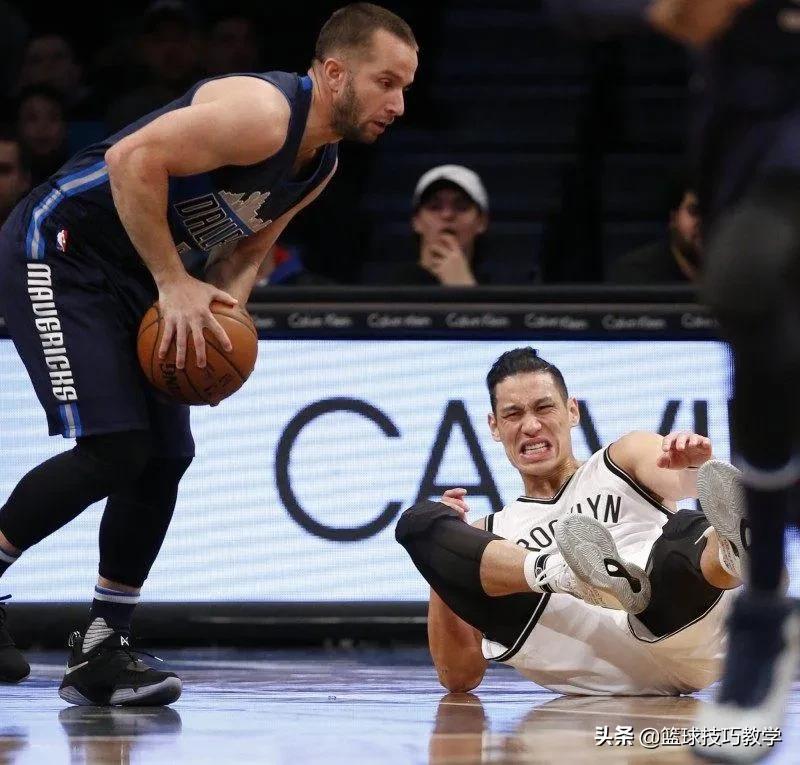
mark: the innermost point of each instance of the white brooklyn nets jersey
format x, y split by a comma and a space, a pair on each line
570, 646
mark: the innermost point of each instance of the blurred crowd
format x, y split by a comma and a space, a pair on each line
81, 73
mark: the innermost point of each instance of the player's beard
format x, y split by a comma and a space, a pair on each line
346, 113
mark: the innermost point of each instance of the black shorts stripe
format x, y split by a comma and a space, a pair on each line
525, 634
637, 487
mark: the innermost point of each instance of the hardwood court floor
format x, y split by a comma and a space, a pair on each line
341, 706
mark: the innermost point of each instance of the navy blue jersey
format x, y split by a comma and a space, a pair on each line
206, 210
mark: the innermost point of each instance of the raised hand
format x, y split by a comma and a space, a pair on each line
683, 450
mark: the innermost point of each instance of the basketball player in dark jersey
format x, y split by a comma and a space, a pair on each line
213, 177
747, 149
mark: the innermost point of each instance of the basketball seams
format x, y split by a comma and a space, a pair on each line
249, 324
229, 361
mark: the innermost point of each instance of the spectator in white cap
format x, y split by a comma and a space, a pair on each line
451, 212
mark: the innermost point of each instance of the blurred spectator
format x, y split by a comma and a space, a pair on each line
50, 60
15, 179
284, 266
451, 213
42, 130
169, 47
233, 45
14, 34
676, 259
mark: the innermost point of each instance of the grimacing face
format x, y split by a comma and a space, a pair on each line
370, 87
533, 422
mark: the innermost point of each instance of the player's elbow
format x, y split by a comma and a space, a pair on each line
129, 156
461, 681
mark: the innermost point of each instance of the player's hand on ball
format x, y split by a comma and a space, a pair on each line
185, 310
682, 450
455, 498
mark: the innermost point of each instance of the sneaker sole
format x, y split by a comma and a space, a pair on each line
721, 496
161, 694
586, 545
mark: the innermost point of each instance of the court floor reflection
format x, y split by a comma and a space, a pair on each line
338, 707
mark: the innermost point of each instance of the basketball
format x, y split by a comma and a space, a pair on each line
223, 374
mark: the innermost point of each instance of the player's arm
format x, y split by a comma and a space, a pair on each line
455, 646
664, 465
243, 123
236, 271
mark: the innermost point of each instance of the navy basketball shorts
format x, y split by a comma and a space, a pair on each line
74, 318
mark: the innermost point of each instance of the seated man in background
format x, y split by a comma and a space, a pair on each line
451, 213
673, 260
592, 582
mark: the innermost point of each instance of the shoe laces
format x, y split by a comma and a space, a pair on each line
561, 578
129, 651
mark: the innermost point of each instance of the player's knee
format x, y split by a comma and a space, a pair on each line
749, 271
418, 519
122, 456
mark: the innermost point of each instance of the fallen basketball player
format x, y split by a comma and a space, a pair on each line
592, 582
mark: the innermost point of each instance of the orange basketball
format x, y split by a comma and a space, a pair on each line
223, 374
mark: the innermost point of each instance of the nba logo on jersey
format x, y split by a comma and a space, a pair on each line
61, 240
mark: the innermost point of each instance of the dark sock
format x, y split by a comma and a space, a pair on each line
114, 607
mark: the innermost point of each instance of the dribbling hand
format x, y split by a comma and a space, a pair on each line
185, 309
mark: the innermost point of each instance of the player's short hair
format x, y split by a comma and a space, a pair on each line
519, 361
351, 28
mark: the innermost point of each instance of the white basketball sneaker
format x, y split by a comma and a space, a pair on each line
721, 494
591, 554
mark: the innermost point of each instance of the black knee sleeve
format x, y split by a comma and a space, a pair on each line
120, 456
447, 552
136, 520
58, 490
432, 531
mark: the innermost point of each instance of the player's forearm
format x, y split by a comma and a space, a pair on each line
455, 647
234, 273
139, 186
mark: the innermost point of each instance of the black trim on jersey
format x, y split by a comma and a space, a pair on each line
680, 629
637, 487
552, 499
489, 525
525, 634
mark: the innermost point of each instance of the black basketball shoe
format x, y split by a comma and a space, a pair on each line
111, 675
13, 666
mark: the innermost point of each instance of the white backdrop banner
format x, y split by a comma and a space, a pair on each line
300, 476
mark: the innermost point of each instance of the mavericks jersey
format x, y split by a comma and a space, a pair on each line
205, 211
570, 646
